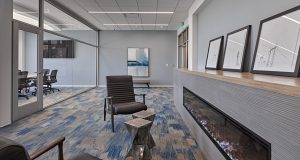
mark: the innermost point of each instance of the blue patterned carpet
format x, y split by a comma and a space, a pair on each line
80, 120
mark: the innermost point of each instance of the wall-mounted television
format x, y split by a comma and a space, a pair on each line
58, 49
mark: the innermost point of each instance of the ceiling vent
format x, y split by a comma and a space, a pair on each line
131, 15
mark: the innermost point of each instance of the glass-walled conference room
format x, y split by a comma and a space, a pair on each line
54, 60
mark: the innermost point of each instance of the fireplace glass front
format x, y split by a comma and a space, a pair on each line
234, 141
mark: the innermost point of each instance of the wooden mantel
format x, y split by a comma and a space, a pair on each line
283, 85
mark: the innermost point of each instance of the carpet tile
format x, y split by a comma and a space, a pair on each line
80, 120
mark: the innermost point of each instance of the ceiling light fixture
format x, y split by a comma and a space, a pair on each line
62, 24
135, 24
96, 12
19, 12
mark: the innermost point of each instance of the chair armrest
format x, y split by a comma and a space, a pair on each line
144, 95
59, 142
108, 101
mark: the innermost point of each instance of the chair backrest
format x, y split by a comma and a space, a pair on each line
45, 74
53, 75
10, 150
120, 88
22, 78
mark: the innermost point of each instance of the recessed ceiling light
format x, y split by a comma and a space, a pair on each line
135, 24
62, 24
25, 12
96, 12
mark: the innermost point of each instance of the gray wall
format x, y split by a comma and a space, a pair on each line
5, 61
273, 116
113, 53
219, 17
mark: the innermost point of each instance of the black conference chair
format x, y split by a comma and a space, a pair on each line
121, 98
11, 150
52, 79
45, 79
22, 83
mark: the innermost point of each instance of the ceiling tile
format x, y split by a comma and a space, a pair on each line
179, 6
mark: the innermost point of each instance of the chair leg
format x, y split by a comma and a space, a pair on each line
112, 122
105, 110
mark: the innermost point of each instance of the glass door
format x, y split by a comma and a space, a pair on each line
27, 70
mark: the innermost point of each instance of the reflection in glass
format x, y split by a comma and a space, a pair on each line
62, 23
278, 47
231, 138
27, 67
235, 46
73, 74
213, 53
26, 11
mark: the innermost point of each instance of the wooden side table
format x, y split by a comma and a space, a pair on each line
139, 130
147, 115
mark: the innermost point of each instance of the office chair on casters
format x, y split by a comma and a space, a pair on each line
45, 79
121, 98
22, 83
52, 80
10, 150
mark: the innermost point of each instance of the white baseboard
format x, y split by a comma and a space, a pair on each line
162, 86
154, 86
74, 86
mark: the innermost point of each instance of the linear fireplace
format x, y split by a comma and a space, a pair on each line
234, 141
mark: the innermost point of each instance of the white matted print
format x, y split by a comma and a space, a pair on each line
278, 44
236, 45
214, 50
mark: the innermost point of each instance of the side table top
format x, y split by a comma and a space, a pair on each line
138, 123
143, 114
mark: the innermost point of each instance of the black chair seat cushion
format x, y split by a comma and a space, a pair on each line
84, 157
129, 107
10, 150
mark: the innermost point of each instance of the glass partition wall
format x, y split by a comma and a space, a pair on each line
68, 49
74, 64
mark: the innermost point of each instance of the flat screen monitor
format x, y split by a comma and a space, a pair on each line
58, 49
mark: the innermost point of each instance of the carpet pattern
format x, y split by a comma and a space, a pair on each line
80, 119
52, 98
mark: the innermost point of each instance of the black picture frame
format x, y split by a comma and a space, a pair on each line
295, 73
246, 45
219, 52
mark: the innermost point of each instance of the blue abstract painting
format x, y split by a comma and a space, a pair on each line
138, 62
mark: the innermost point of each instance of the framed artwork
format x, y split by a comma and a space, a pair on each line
138, 62
277, 46
213, 54
235, 49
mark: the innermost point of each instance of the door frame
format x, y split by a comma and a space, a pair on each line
28, 109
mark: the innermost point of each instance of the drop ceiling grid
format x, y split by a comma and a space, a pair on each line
83, 9
180, 8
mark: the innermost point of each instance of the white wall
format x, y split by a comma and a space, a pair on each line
5, 61
217, 18
162, 46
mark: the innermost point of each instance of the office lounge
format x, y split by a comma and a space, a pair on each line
155, 79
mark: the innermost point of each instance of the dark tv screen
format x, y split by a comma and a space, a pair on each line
58, 49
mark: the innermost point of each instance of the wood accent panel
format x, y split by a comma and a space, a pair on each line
283, 85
